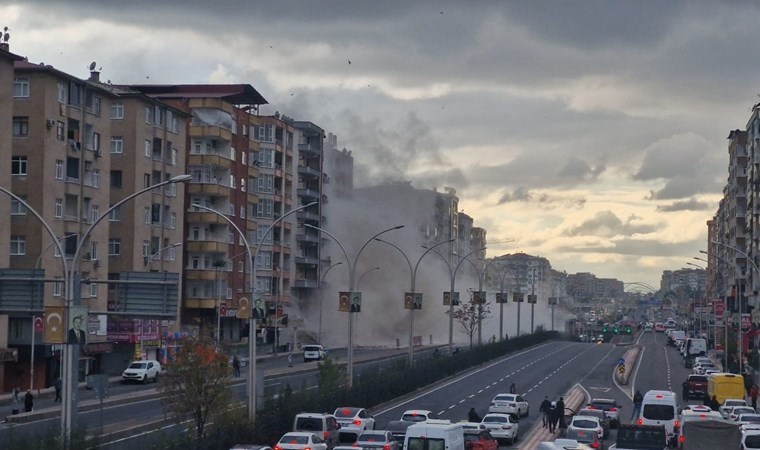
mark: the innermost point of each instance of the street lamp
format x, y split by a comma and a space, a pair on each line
251, 320
738, 297
351, 274
321, 298
362, 276
70, 351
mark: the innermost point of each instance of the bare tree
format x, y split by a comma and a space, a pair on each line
469, 315
195, 383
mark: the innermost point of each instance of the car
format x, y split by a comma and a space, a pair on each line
586, 437
300, 441
750, 439
409, 417
418, 415
377, 439
604, 421
251, 447
728, 404
509, 404
353, 422
700, 368
736, 411
313, 352
479, 439
697, 385
324, 425
748, 419
502, 426
648, 328
609, 406
587, 423
142, 371
598, 339
659, 327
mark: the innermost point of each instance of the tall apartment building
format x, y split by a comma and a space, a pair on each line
753, 206
339, 169
222, 156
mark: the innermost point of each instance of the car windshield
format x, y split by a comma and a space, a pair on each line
698, 378
419, 443
735, 403
309, 424
346, 412
311, 348
414, 417
137, 366
658, 412
743, 410
584, 423
751, 418
504, 398
495, 419
602, 405
591, 412
290, 439
371, 437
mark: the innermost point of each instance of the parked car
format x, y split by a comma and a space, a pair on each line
587, 423
509, 404
479, 440
502, 426
142, 371
610, 408
323, 425
377, 439
300, 441
314, 352
604, 421
353, 422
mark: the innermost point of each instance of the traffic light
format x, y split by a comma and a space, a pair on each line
628, 330
604, 329
616, 331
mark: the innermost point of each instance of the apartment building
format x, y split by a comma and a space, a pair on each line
339, 169
223, 159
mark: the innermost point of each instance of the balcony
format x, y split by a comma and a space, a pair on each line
312, 260
309, 149
200, 303
200, 274
308, 172
307, 215
303, 283
205, 217
211, 159
308, 237
209, 188
207, 246
210, 131
308, 194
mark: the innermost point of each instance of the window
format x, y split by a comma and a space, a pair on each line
149, 114
242, 184
173, 221
93, 250
18, 165
20, 87
93, 290
242, 211
230, 238
95, 143
231, 211
241, 266
59, 208
74, 94
146, 180
264, 209
115, 215
117, 110
114, 247
264, 260
229, 293
60, 131
61, 93
232, 153
95, 213
148, 152
17, 208
146, 248
146, 214
117, 144
242, 158
174, 155
116, 178
20, 126
57, 287
18, 245
265, 183
96, 178
266, 158
96, 106
59, 169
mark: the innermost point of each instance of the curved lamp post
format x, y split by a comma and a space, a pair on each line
321, 298
251, 320
351, 274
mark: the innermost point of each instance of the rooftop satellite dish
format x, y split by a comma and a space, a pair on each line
92, 66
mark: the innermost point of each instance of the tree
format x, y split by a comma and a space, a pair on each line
195, 383
469, 315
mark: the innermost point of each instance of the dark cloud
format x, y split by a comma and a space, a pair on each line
607, 224
521, 194
691, 204
638, 247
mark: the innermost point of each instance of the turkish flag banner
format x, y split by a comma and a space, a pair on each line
38, 325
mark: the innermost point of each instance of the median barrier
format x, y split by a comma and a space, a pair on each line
575, 398
623, 371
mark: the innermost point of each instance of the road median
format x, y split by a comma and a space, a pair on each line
629, 362
574, 399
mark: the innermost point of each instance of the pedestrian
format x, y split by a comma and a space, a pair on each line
58, 383
753, 395
638, 399
473, 416
16, 400
512, 388
685, 390
714, 403
290, 359
544, 409
561, 413
28, 401
236, 365
553, 417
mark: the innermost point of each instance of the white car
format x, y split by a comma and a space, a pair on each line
730, 403
509, 404
142, 371
300, 441
353, 421
587, 423
417, 415
501, 426
749, 420
750, 439
736, 411
313, 352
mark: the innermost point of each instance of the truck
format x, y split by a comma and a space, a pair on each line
641, 437
710, 434
434, 434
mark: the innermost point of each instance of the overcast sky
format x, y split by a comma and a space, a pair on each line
591, 132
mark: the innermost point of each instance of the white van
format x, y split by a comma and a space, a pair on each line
660, 408
695, 346
434, 435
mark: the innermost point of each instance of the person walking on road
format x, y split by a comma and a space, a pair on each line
544, 409
513, 389
714, 403
473, 416
236, 366
561, 413
553, 417
685, 391
28, 401
638, 399
16, 400
58, 383
753, 395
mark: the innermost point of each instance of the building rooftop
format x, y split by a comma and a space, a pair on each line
238, 94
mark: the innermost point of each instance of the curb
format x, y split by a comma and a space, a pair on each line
575, 398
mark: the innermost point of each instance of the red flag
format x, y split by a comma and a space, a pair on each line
38, 325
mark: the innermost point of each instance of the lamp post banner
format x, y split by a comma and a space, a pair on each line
518, 297
344, 301
447, 298
408, 300
501, 298
53, 331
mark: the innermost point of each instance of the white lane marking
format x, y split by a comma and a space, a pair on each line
441, 412
471, 396
461, 401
